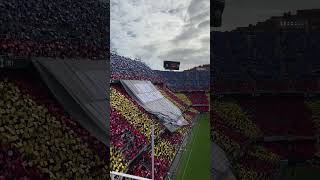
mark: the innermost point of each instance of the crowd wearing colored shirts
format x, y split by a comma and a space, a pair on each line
130, 128
39, 140
58, 29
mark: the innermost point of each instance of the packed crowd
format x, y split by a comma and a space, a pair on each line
191, 80
248, 61
184, 98
234, 117
124, 138
129, 154
280, 115
314, 106
199, 99
42, 137
275, 116
126, 68
11, 163
234, 132
258, 163
54, 29
130, 135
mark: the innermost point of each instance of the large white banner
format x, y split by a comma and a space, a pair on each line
151, 99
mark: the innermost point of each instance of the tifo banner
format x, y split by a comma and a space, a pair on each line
150, 98
79, 85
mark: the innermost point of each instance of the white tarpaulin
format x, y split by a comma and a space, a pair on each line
150, 98
80, 86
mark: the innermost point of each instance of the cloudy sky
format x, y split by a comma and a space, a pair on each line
243, 12
158, 30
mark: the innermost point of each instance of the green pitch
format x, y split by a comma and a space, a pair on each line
195, 161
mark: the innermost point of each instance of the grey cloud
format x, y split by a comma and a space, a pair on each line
197, 6
204, 24
189, 42
186, 35
131, 34
186, 55
200, 17
205, 41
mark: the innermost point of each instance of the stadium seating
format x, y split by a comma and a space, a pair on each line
258, 163
124, 138
188, 80
236, 118
127, 113
184, 98
259, 63
11, 163
276, 116
35, 126
126, 68
280, 115
256, 61
314, 106
198, 98
54, 29
39, 140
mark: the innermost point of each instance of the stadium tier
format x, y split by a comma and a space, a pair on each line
195, 79
259, 133
130, 123
39, 139
265, 62
193, 84
126, 68
61, 29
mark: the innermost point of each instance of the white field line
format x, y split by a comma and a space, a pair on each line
193, 140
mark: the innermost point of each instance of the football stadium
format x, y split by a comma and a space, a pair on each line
265, 100
53, 90
173, 103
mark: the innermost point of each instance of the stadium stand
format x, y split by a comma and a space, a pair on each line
48, 139
193, 79
235, 133
190, 85
265, 62
261, 105
131, 124
40, 138
126, 68
54, 29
